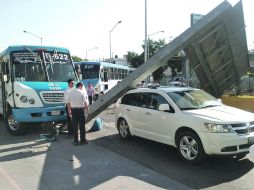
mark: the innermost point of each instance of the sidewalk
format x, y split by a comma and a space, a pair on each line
30, 163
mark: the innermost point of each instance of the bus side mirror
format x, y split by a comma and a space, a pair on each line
5, 78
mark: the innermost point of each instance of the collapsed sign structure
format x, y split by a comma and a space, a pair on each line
216, 47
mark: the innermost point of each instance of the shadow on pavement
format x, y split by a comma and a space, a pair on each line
164, 159
28, 162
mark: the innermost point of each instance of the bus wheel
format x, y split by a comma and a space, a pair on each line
14, 127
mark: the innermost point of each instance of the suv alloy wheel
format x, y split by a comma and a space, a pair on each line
189, 147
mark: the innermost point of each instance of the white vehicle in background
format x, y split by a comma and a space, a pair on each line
191, 120
102, 75
32, 84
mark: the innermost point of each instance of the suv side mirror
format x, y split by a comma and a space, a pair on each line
164, 107
5, 78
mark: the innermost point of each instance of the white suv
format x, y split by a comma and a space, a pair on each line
191, 120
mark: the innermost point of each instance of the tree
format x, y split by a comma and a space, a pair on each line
175, 63
76, 58
155, 46
134, 59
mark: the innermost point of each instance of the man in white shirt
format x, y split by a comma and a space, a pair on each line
66, 93
77, 104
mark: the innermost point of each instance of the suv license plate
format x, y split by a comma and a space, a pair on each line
251, 140
56, 112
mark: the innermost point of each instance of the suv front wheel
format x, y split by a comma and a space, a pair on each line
189, 147
123, 129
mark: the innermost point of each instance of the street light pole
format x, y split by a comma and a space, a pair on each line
148, 43
90, 50
110, 56
145, 50
33, 35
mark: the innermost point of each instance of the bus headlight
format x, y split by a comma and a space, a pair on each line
31, 101
23, 99
219, 128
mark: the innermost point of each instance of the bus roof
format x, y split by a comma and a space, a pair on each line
23, 47
102, 64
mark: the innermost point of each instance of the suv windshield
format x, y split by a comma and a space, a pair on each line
28, 66
193, 99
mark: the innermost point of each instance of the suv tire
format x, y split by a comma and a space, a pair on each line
123, 129
189, 147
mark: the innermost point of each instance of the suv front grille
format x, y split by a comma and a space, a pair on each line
243, 128
53, 97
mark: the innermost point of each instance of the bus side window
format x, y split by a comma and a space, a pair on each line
7, 68
125, 73
102, 75
122, 73
6, 71
1, 63
117, 74
112, 73
105, 74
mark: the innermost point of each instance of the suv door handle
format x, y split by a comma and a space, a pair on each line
148, 113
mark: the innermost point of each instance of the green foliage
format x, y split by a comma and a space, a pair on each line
76, 58
134, 59
153, 47
250, 74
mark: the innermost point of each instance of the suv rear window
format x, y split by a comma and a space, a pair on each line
133, 99
144, 99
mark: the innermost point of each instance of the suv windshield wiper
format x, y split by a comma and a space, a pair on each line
209, 106
189, 108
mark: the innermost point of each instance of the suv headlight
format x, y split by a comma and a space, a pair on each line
23, 99
219, 128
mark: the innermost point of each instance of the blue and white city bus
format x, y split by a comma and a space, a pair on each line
32, 84
102, 75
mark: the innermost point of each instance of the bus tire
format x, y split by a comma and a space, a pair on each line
13, 127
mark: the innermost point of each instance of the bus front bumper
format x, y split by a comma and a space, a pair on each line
47, 114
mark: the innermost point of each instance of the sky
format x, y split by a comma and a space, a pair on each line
83, 26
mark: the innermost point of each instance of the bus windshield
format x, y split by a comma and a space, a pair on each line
28, 66
89, 71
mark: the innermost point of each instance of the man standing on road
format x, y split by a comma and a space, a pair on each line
77, 105
91, 93
66, 93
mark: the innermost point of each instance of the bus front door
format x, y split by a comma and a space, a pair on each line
4, 71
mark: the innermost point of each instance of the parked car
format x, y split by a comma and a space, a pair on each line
190, 119
178, 83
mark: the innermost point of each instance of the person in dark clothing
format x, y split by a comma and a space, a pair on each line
77, 105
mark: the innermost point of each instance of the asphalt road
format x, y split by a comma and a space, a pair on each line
212, 173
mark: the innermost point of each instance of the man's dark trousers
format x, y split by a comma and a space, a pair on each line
78, 120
